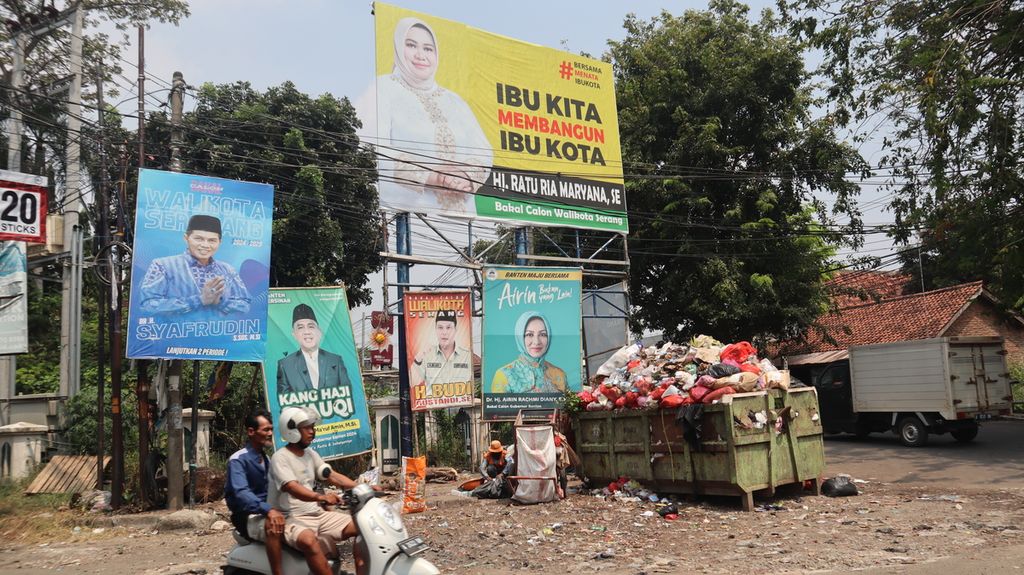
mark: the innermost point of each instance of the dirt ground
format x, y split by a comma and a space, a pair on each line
888, 528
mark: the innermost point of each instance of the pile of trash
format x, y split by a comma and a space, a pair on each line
625, 489
674, 375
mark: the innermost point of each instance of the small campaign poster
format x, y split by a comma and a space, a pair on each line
438, 333
382, 352
13, 298
312, 363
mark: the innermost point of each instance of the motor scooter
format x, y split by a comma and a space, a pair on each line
382, 542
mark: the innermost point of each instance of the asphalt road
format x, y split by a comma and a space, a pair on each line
994, 460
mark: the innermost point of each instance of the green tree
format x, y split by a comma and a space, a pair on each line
46, 62
45, 141
941, 82
39, 370
726, 162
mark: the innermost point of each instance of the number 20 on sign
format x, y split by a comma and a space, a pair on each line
22, 208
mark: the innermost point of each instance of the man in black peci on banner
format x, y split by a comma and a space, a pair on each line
310, 367
193, 285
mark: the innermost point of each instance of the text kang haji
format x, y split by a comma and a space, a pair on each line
329, 402
554, 105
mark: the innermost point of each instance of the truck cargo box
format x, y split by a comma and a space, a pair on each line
956, 377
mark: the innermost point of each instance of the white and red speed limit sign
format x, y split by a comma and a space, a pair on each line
22, 207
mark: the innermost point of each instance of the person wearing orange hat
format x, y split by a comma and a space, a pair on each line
494, 461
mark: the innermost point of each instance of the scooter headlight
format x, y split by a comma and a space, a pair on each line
393, 520
377, 529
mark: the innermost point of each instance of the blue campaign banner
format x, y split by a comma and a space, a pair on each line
312, 363
532, 338
200, 268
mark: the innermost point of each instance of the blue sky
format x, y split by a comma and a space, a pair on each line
327, 45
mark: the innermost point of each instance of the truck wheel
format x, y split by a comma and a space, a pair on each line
912, 432
965, 434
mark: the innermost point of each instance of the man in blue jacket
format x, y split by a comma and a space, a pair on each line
246, 489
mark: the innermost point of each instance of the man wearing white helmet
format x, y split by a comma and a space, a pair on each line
293, 474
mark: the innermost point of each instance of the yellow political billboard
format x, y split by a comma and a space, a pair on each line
474, 124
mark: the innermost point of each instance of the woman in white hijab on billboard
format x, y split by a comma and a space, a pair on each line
430, 141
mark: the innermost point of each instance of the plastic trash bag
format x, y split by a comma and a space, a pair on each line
839, 486
776, 379
496, 488
618, 359
369, 477
738, 352
720, 370
414, 473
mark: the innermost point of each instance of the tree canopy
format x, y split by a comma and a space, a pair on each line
938, 83
724, 161
47, 58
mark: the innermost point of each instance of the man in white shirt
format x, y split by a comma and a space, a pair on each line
310, 367
294, 471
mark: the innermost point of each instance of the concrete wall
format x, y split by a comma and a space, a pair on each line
981, 318
41, 409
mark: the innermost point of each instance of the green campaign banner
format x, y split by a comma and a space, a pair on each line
532, 338
311, 362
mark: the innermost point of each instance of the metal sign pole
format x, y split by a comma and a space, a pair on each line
403, 247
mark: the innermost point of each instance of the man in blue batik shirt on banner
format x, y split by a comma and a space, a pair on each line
193, 281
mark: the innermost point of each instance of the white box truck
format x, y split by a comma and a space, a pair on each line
915, 388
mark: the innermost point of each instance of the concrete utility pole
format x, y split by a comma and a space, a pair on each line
175, 435
17, 77
9, 363
177, 105
71, 284
46, 23
100, 239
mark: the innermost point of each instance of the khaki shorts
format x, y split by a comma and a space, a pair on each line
256, 526
328, 527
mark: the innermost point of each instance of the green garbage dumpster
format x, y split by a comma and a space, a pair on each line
748, 442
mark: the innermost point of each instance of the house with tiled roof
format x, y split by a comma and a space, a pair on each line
848, 288
961, 310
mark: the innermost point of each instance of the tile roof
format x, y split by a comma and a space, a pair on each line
916, 316
849, 288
